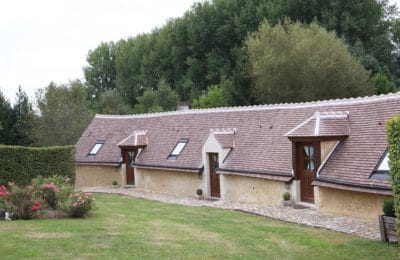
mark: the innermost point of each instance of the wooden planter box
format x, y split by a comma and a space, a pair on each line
388, 228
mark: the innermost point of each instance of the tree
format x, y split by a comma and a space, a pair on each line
214, 98
366, 25
111, 103
163, 99
25, 122
6, 121
291, 62
382, 85
100, 74
64, 113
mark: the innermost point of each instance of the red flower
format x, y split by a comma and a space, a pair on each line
34, 208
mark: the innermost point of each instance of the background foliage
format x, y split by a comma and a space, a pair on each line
393, 137
202, 59
21, 164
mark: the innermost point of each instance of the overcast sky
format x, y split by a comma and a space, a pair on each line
48, 40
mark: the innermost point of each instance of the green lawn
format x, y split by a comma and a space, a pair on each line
126, 228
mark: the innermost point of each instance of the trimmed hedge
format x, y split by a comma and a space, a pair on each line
393, 137
21, 164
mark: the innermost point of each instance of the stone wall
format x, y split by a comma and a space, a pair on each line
348, 203
169, 182
99, 175
248, 189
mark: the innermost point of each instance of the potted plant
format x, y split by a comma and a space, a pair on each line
387, 222
115, 183
286, 199
199, 193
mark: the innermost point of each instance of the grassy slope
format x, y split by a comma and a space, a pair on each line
126, 228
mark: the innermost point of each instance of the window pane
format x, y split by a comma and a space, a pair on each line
312, 165
311, 151
178, 149
305, 149
96, 149
384, 166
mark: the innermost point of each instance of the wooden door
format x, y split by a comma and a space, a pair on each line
307, 166
129, 159
214, 178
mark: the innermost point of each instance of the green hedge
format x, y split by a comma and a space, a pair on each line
393, 137
21, 164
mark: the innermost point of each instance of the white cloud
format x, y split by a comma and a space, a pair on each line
48, 40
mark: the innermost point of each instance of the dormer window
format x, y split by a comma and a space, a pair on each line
96, 148
178, 149
381, 171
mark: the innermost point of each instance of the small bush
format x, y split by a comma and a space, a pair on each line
78, 204
115, 183
286, 196
388, 207
199, 192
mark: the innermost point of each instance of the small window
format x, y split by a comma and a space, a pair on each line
384, 165
381, 171
96, 148
178, 149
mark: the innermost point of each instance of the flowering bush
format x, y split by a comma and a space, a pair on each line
78, 204
5, 194
54, 192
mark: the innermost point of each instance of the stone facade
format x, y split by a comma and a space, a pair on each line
349, 203
246, 189
99, 175
168, 182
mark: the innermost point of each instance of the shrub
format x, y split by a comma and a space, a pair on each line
24, 205
388, 207
5, 202
199, 192
114, 183
286, 196
393, 138
22, 164
78, 204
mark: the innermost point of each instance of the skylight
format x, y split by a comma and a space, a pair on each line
178, 149
96, 148
384, 165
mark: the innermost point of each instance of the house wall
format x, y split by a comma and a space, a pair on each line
247, 189
212, 146
349, 203
99, 175
326, 148
170, 182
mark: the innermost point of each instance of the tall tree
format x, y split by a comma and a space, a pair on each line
6, 121
25, 122
64, 113
100, 73
111, 103
293, 62
163, 99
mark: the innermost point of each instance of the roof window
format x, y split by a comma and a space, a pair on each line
381, 171
95, 149
178, 149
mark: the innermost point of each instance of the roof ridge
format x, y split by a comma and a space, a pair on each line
296, 105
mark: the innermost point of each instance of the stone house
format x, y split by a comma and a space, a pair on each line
330, 155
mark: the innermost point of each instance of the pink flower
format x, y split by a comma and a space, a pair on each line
10, 184
34, 208
8, 194
67, 180
1, 194
3, 188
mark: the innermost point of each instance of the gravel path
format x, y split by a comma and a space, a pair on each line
310, 217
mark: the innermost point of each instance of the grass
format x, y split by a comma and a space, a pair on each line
126, 228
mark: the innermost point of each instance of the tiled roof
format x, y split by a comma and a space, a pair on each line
323, 124
138, 138
225, 137
260, 144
